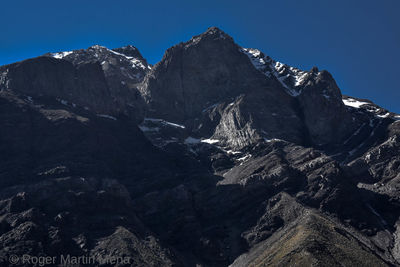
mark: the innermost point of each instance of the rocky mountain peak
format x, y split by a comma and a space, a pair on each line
96, 78
214, 30
193, 75
238, 95
216, 33
130, 51
234, 159
211, 35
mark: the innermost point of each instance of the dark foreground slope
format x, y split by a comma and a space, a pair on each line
216, 155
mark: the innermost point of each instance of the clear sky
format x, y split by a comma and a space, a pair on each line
358, 41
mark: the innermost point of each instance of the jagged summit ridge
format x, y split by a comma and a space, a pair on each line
212, 33
95, 78
129, 51
291, 78
211, 70
218, 89
100, 53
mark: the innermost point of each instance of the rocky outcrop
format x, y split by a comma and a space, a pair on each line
97, 78
239, 96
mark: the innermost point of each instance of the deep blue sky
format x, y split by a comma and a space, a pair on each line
357, 41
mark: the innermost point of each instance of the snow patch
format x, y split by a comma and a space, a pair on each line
165, 122
61, 55
300, 77
136, 63
255, 58
192, 141
119, 54
351, 102
272, 140
98, 47
281, 71
384, 115
244, 158
233, 152
210, 141
107, 116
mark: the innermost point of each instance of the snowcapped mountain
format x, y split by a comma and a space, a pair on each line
217, 155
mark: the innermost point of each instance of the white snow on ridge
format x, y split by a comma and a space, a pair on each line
174, 125
272, 140
98, 47
233, 152
191, 141
281, 71
136, 63
210, 141
351, 102
61, 55
255, 57
384, 115
300, 76
244, 158
297, 75
116, 53
289, 90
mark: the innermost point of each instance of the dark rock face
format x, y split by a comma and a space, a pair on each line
210, 74
324, 112
96, 78
207, 69
237, 95
216, 156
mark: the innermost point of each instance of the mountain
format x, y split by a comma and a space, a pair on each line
217, 155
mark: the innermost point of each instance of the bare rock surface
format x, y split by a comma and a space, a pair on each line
218, 155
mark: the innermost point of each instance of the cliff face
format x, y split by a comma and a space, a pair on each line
213, 86
216, 155
97, 78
